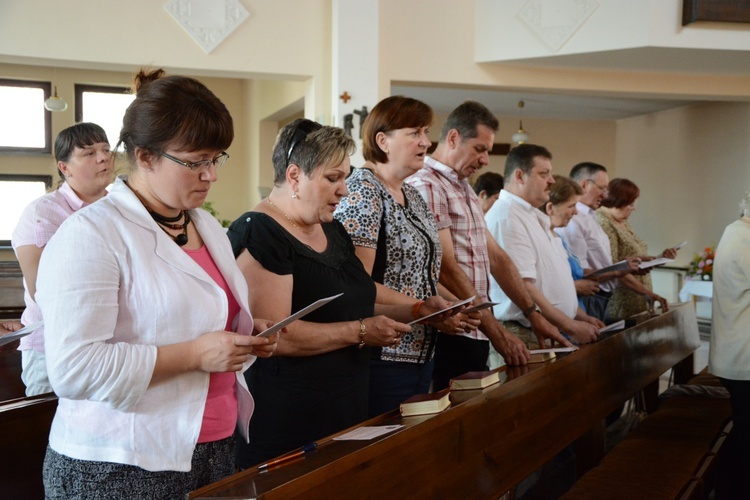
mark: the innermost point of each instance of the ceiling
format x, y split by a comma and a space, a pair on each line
671, 62
545, 106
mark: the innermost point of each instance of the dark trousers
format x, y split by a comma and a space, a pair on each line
393, 382
596, 305
734, 462
456, 355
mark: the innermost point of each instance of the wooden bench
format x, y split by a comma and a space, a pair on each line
673, 453
25, 424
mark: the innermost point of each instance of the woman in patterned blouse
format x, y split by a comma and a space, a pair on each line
613, 217
395, 237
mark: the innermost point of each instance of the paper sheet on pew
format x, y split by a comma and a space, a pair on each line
617, 325
10, 337
452, 306
306, 310
367, 433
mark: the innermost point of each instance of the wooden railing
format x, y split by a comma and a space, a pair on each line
484, 446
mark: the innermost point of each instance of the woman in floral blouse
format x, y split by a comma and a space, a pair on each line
613, 217
395, 237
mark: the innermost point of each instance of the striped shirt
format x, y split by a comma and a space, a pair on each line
456, 206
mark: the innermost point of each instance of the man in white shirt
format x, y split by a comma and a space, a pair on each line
523, 231
588, 241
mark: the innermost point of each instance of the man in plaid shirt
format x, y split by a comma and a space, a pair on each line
470, 254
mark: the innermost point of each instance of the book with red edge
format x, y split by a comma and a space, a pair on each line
424, 404
475, 380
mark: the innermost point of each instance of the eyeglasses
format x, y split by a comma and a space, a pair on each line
601, 188
202, 165
301, 131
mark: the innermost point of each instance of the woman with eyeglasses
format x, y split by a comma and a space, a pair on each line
85, 167
293, 253
395, 237
146, 314
613, 216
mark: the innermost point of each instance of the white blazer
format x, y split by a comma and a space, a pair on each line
112, 287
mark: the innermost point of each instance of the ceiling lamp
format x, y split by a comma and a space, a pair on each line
521, 137
55, 103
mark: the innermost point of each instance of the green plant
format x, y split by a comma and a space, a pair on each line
208, 207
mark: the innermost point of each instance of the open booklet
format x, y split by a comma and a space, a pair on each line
449, 308
10, 337
655, 262
623, 265
617, 325
306, 310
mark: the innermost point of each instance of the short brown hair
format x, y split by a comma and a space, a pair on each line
622, 192
392, 113
174, 110
309, 145
467, 118
77, 136
562, 190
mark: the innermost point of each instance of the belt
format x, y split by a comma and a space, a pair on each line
606, 295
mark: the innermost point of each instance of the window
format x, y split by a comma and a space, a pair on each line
16, 192
104, 106
25, 125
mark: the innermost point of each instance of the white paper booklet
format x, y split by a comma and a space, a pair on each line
281, 324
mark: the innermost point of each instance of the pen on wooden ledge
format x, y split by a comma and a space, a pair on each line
290, 456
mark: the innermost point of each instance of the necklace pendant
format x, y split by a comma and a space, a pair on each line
181, 239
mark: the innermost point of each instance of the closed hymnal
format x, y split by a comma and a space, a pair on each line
423, 404
475, 380
541, 357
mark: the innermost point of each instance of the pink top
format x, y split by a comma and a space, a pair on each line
39, 221
220, 415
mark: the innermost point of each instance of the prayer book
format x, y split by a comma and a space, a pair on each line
654, 262
10, 337
423, 404
475, 380
542, 355
623, 265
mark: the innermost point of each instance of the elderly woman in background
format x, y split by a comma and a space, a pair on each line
292, 253
729, 353
85, 167
613, 216
395, 237
488, 187
146, 314
561, 207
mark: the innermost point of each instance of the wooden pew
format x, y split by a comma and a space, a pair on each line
483, 447
24, 433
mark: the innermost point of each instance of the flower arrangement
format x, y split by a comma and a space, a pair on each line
702, 266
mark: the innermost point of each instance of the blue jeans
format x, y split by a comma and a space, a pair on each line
393, 382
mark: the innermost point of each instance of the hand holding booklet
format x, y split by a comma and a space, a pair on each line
654, 262
10, 337
306, 310
449, 308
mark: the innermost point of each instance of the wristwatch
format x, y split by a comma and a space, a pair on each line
531, 309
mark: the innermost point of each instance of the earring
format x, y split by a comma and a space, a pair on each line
387, 151
294, 195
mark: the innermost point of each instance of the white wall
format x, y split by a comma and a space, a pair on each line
692, 165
